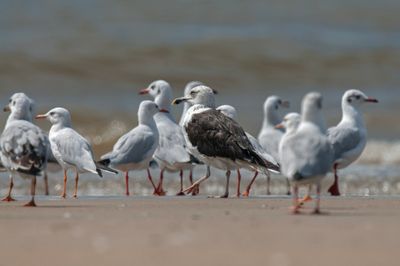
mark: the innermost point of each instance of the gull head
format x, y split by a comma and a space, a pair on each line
57, 116
21, 106
148, 108
161, 91
228, 110
311, 110
198, 95
290, 122
356, 98
274, 103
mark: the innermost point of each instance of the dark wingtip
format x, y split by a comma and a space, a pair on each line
105, 162
297, 176
99, 172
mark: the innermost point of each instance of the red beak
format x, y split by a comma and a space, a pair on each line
371, 100
144, 91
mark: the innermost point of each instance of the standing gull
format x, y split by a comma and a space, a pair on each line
269, 136
171, 153
135, 149
230, 111
70, 149
350, 135
216, 139
306, 155
24, 146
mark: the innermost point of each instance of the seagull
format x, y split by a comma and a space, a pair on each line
349, 137
171, 154
269, 136
24, 146
70, 149
216, 139
231, 112
306, 155
135, 149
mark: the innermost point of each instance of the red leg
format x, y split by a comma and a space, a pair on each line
247, 192
159, 191
196, 190
318, 200
180, 193
239, 178
8, 198
64, 193
127, 183
33, 190
151, 179
334, 189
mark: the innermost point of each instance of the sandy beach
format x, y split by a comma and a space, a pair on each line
199, 231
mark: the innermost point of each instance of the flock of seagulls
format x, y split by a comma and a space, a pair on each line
297, 145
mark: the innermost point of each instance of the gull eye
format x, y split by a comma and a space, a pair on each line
152, 87
52, 113
192, 93
358, 97
13, 103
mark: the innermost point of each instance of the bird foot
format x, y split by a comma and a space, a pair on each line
246, 193
63, 195
196, 190
295, 209
181, 194
75, 196
30, 204
316, 211
8, 199
288, 193
303, 201
334, 190
159, 193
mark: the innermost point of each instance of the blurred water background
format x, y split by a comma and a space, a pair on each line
92, 57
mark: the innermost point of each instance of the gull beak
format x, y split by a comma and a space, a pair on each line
179, 100
144, 91
371, 100
41, 117
285, 104
280, 126
7, 109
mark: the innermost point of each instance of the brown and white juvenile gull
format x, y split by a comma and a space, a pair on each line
24, 146
306, 155
135, 149
71, 150
216, 139
349, 137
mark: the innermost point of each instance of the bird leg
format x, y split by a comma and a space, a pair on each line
46, 184
295, 207
64, 193
239, 178
307, 197
268, 184
8, 198
33, 190
318, 200
197, 190
226, 194
159, 190
180, 193
288, 187
334, 189
151, 179
247, 192
127, 183
76, 185
195, 185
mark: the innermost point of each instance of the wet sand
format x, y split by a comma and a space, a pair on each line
199, 231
